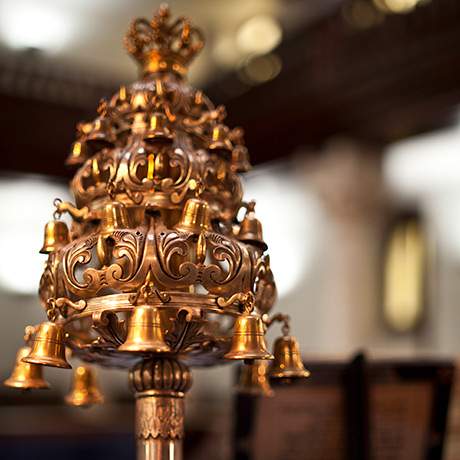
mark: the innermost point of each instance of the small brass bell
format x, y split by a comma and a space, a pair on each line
139, 125
287, 362
253, 379
250, 231
158, 130
26, 376
195, 216
248, 341
48, 347
78, 153
101, 135
85, 391
240, 159
56, 236
139, 101
220, 141
145, 333
115, 217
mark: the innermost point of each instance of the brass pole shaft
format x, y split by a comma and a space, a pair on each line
159, 386
159, 426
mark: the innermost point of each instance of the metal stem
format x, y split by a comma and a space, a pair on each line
159, 426
159, 385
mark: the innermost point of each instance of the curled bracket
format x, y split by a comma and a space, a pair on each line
66, 206
278, 318
244, 299
61, 306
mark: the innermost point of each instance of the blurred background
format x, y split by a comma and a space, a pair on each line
351, 114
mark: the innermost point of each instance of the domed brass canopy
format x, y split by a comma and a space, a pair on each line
254, 380
56, 236
158, 130
85, 391
195, 216
145, 334
250, 231
26, 376
48, 347
287, 362
248, 341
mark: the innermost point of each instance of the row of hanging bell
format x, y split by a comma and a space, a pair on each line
287, 365
195, 218
26, 376
99, 134
248, 343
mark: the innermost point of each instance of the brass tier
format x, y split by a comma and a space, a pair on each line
153, 143
196, 329
120, 260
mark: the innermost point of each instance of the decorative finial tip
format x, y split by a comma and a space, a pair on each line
163, 45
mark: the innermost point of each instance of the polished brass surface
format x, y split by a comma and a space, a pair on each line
48, 347
56, 236
195, 216
287, 362
248, 340
158, 270
251, 229
26, 376
254, 379
85, 391
145, 333
115, 217
158, 130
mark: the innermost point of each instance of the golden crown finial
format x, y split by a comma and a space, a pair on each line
163, 45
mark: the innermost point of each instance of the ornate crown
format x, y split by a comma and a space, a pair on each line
163, 45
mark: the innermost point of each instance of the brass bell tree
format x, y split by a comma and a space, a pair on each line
156, 259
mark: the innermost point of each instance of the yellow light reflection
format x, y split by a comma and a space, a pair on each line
404, 274
396, 6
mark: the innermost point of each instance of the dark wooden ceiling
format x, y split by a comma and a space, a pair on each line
379, 84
